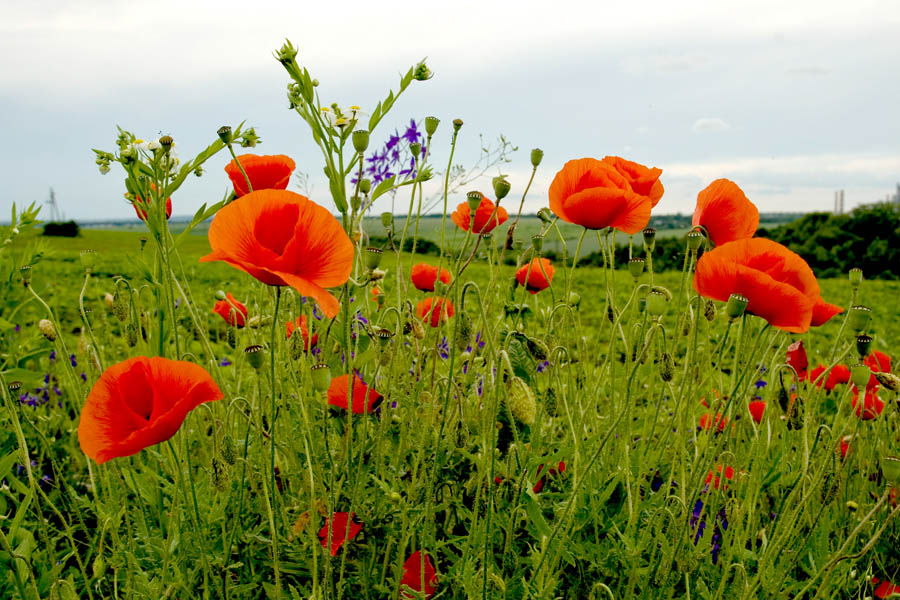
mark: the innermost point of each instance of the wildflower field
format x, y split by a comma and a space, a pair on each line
277, 406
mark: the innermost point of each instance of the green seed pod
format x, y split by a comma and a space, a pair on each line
365, 186
431, 125
166, 142
736, 306
890, 468
666, 367
501, 187
360, 140
355, 203
373, 257
131, 335
383, 336
229, 452
863, 345
636, 267
656, 303
88, 260
709, 309
26, 273
860, 374
225, 134
649, 239
859, 318
889, 381
255, 355
545, 215
520, 400
694, 239
415, 149
537, 242
13, 386
537, 155
574, 299
321, 376
856, 276
387, 220
473, 199
457, 124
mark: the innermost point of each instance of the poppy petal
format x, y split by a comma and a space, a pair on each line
725, 212
823, 311
264, 172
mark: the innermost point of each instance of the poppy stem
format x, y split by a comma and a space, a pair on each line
271, 501
240, 167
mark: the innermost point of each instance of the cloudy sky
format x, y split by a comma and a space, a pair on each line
792, 100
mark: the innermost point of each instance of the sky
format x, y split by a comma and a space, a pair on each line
791, 100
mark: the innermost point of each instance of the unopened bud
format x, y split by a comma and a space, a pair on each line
649, 239
521, 401
431, 125
501, 187
45, 326
422, 72
860, 374
473, 199
229, 452
666, 367
255, 355
373, 257
321, 376
709, 309
863, 345
220, 295
859, 318
225, 134
457, 124
636, 267
694, 239
889, 381
537, 155
656, 303
574, 299
131, 335
360, 140
856, 276
736, 306
88, 259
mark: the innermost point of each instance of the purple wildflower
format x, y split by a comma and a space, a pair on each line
72, 360
224, 362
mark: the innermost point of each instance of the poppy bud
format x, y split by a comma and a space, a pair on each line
321, 376
120, 307
225, 134
694, 239
45, 326
229, 452
859, 318
889, 381
473, 199
545, 215
431, 125
387, 220
387, 355
131, 335
537, 155
109, 300
416, 328
736, 306
520, 400
255, 355
856, 276
220, 295
373, 257
574, 299
709, 309
88, 259
537, 242
656, 303
198, 171
666, 367
220, 478
422, 72
501, 187
457, 124
863, 345
166, 142
25, 271
685, 324
360, 140
860, 374
537, 348
851, 505
890, 468
649, 239
98, 567
365, 185
636, 267
296, 347
440, 288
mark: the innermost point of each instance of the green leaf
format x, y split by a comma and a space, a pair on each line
533, 508
383, 187
29, 379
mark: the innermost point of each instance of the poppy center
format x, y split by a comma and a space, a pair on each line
276, 226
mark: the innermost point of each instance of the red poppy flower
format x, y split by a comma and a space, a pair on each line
264, 172
725, 212
365, 398
796, 357
885, 588
234, 313
283, 238
340, 532
462, 216
871, 406
727, 475
644, 181
593, 194
142, 214
537, 279
419, 575
879, 362
435, 310
300, 323
707, 421
838, 374
424, 276
560, 468
757, 409
377, 296
141, 402
779, 285
844, 446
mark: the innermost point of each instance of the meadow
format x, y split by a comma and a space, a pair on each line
271, 407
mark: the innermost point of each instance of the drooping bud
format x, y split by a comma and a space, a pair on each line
860, 374
520, 400
537, 348
120, 307
422, 72
88, 259
863, 345
636, 267
537, 155
229, 452
859, 318
109, 300
574, 299
889, 381
736, 306
501, 187
694, 239
365, 186
684, 324
656, 303
473, 199
321, 376
649, 239
666, 367
545, 215
709, 309
373, 257
220, 295
537, 242
387, 220
457, 124
25, 271
360, 140
45, 326
856, 276
890, 468
255, 355
225, 134
431, 125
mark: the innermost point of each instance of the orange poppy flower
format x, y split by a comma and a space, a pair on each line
871, 406
365, 398
725, 212
300, 323
435, 310
341, 531
644, 180
779, 285
264, 172
141, 402
234, 313
424, 276
593, 194
727, 475
462, 216
536, 279
838, 374
142, 214
283, 238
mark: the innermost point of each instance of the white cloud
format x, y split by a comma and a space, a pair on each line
710, 125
